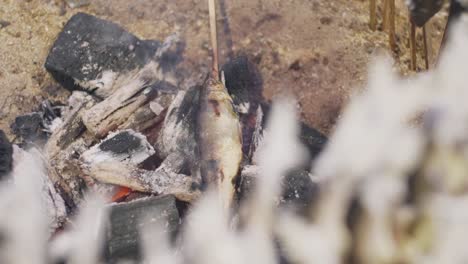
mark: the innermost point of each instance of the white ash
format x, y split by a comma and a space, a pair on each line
243, 108
54, 125
257, 135
103, 85
166, 181
156, 107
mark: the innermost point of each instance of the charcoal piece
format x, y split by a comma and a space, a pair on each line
6, 155
422, 10
122, 146
29, 128
50, 112
244, 84
298, 191
88, 47
128, 219
121, 143
178, 131
313, 140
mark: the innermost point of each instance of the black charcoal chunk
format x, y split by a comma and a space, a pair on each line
29, 128
313, 140
88, 46
6, 155
124, 142
128, 219
36, 127
244, 83
298, 191
50, 112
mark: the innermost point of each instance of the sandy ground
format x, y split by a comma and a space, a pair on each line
315, 50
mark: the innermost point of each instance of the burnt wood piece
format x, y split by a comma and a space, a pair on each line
125, 146
127, 220
159, 181
64, 148
88, 47
245, 85
178, 131
6, 155
115, 161
137, 90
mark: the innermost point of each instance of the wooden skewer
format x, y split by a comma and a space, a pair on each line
373, 18
413, 45
427, 45
214, 38
391, 20
385, 15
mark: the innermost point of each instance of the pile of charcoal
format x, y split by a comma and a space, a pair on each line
129, 130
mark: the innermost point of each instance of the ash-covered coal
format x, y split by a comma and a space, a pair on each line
127, 220
122, 146
90, 53
177, 135
35, 127
124, 142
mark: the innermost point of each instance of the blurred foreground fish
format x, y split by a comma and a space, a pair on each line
218, 132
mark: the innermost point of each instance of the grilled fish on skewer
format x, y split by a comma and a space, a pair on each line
219, 135
219, 140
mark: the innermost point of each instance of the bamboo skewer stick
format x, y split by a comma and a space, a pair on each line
385, 15
373, 15
391, 21
413, 45
214, 38
427, 45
